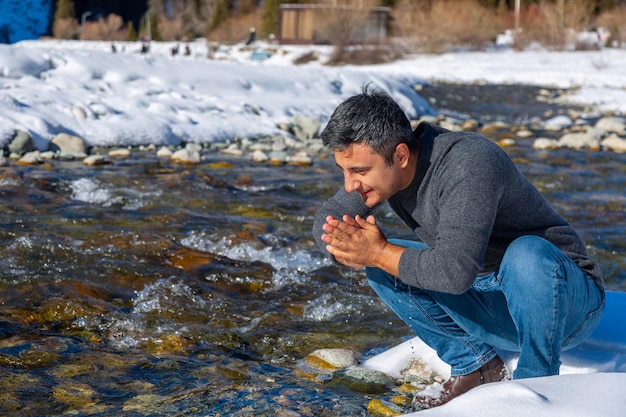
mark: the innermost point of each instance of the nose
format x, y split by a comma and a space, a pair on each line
351, 183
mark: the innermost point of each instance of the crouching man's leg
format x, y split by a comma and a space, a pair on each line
538, 303
473, 362
552, 302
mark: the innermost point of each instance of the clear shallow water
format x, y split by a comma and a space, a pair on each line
148, 288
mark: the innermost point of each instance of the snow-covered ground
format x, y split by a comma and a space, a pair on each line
129, 98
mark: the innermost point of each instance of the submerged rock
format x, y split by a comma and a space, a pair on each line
363, 380
95, 160
379, 408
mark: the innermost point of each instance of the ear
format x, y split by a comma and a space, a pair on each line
402, 155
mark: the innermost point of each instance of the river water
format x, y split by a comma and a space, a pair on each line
149, 288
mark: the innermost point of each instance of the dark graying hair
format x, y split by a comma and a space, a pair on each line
370, 118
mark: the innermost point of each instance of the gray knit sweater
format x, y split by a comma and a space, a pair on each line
467, 202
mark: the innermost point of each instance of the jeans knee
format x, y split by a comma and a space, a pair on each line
530, 258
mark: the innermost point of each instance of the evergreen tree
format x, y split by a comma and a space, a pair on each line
154, 27
220, 14
271, 11
64, 25
64, 10
132, 34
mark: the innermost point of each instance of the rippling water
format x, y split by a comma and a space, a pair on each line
149, 288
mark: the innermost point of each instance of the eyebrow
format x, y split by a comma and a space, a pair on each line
355, 168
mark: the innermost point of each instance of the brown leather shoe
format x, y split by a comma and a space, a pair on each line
492, 371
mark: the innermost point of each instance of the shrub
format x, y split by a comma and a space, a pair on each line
555, 24
66, 28
615, 22
432, 27
110, 28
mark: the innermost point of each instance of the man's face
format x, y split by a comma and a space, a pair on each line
368, 173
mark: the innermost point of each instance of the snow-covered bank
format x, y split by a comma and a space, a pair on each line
128, 98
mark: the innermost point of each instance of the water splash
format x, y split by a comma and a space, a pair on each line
92, 191
291, 266
164, 298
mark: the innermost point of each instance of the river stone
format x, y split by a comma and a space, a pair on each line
47, 155
79, 112
277, 157
3, 161
120, 152
614, 143
305, 127
21, 143
579, 141
69, 146
30, 158
337, 358
186, 156
469, 124
506, 142
164, 152
294, 143
278, 144
194, 147
612, 124
450, 125
493, 127
232, 149
95, 160
545, 143
300, 158
379, 408
524, 133
557, 123
76, 394
284, 126
363, 380
259, 156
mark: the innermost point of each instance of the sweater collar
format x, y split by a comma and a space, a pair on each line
425, 133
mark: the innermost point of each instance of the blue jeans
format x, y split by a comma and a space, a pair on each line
538, 303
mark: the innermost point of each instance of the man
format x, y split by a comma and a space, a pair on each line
495, 268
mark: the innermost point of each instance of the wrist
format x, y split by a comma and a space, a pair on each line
388, 257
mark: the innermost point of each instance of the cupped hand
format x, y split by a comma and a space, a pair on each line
354, 242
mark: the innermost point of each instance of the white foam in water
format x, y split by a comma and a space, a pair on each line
290, 266
324, 308
91, 191
335, 304
164, 295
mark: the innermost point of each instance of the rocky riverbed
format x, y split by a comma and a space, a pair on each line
184, 280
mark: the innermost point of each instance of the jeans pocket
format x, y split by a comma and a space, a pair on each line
487, 283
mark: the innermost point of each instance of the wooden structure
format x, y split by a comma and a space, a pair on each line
309, 24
